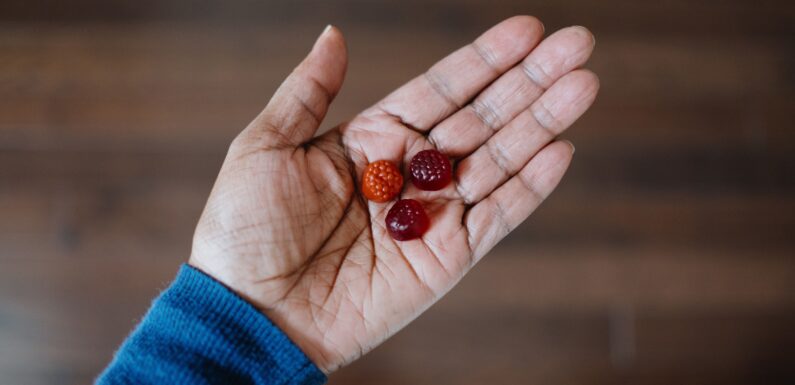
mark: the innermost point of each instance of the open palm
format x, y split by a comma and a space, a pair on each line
287, 228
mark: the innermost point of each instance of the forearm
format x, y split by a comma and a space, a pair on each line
199, 332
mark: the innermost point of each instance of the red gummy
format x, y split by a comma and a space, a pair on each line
430, 170
407, 220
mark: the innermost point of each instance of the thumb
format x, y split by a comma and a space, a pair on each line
299, 105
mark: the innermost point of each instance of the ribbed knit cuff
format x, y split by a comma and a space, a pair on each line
198, 331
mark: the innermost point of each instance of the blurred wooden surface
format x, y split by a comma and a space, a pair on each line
666, 256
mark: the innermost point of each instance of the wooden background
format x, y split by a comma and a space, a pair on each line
667, 255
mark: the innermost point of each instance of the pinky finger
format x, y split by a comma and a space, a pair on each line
508, 206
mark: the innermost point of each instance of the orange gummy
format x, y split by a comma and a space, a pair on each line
381, 181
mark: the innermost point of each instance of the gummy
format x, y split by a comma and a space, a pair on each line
407, 220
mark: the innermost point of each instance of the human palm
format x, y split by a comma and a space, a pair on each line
287, 228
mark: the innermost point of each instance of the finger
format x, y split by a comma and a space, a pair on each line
505, 153
299, 105
467, 129
453, 81
494, 217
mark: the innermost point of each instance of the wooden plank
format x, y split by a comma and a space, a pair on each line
70, 86
110, 221
756, 127
484, 347
681, 17
723, 348
675, 257
545, 279
693, 198
626, 220
528, 343
754, 347
148, 93
655, 278
120, 201
538, 317
148, 218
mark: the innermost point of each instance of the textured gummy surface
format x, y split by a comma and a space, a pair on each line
381, 181
407, 220
430, 170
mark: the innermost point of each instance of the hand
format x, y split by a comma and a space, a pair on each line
287, 228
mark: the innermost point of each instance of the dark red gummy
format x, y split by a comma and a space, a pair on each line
430, 170
407, 220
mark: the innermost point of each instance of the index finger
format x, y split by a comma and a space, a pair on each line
453, 81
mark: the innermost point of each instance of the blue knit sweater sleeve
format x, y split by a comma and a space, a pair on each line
199, 332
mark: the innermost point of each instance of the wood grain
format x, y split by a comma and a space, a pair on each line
666, 256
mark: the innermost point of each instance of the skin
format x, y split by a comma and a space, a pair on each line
287, 228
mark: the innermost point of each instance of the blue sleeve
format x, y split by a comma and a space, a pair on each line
199, 332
